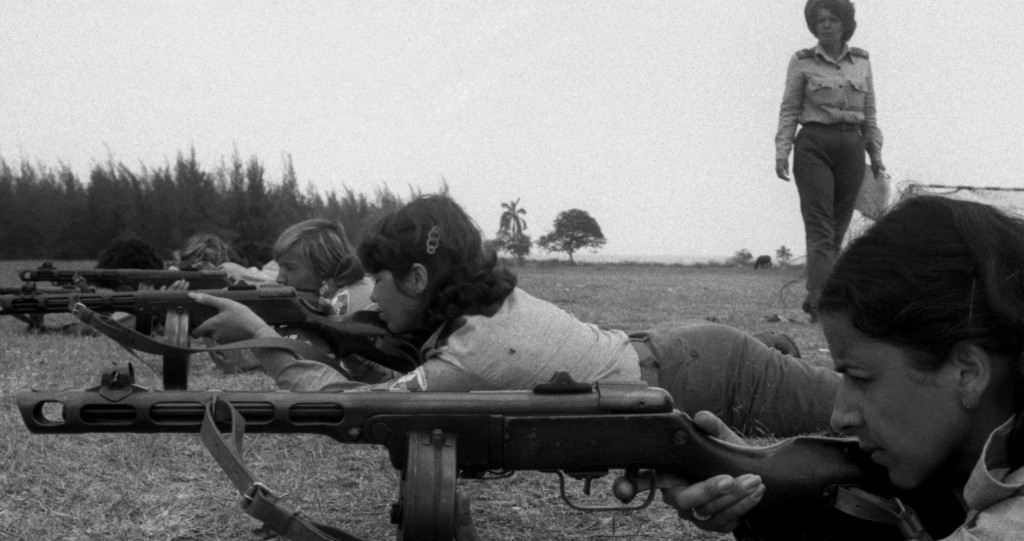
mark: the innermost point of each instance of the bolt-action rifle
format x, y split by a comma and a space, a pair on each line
179, 314
817, 487
125, 278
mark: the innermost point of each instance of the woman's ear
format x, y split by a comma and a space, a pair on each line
418, 278
976, 372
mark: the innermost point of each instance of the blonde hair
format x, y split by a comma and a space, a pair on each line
320, 242
205, 248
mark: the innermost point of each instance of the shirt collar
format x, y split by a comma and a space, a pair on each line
818, 50
991, 480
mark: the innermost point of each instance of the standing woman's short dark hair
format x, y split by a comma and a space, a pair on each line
932, 273
434, 231
842, 9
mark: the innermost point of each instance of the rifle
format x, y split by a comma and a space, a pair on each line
30, 289
122, 278
432, 438
278, 305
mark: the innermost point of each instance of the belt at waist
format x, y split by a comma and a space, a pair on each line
836, 126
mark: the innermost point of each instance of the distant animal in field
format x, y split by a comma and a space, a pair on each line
763, 261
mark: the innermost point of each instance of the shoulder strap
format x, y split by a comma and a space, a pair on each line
804, 54
133, 340
864, 505
356, 337
257, 500
857, 51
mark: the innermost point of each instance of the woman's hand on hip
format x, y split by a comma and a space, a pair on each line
718, 503
233, 322
782, 169
877, 166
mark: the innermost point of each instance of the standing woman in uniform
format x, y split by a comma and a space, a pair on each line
830, 94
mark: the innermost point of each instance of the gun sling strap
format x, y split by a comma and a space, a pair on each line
133, 341
864, 505
257, 500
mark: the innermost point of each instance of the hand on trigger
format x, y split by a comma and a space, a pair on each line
233, 322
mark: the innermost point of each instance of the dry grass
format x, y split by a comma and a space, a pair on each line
166, 487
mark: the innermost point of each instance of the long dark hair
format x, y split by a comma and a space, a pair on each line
434, 231
934, 272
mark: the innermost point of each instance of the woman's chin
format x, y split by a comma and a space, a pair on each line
903, 480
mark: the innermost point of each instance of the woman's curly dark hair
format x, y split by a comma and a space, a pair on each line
464, 277
129, 252
842, 9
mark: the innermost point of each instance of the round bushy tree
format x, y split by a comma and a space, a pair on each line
575, 229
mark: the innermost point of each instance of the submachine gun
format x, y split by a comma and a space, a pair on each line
125, 278
178, 314
31, 289
574, 430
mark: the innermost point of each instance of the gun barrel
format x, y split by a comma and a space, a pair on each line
331, 414
112, 278
278, 305
52, 303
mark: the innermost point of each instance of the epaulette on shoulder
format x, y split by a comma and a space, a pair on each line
804, 54
857, 51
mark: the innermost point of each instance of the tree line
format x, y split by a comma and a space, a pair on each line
49, 213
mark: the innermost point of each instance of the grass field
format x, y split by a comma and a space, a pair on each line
166, 486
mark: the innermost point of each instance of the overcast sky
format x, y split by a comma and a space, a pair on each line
656, 117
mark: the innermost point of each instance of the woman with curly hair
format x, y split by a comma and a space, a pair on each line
830, 94
434, 276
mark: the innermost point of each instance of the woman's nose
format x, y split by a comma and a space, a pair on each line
845, 415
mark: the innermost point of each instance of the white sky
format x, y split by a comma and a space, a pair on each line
656, 117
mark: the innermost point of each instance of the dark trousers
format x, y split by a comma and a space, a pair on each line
755, 389
828, 167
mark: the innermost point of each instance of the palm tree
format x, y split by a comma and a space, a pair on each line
783, 255
512, 221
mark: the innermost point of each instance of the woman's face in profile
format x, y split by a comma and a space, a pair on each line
398, 309
296, 272
909, 420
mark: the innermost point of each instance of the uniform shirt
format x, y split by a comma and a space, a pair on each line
994, 495
826, 90
524, 343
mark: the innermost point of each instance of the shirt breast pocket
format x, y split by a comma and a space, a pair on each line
824, 91
858, 91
